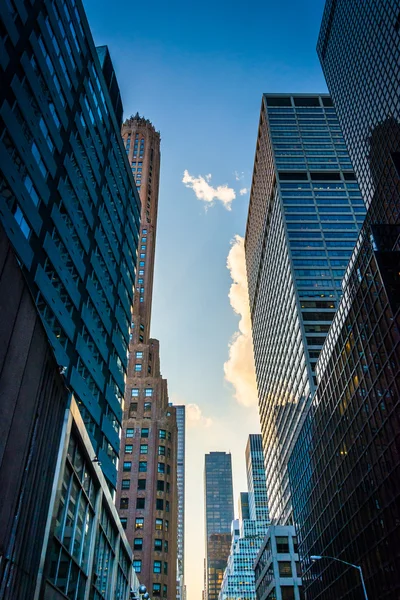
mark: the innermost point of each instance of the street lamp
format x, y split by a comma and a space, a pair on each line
315, 557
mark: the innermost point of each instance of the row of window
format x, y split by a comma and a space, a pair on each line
140, 505
148, 392
162, 450
144, 433
161, 467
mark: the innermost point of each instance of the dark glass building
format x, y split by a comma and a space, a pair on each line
218, 506
345, 468
304, 217
68, 202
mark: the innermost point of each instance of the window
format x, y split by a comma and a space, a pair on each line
160, 485
144, 432
140, 503
165, 568
162, 434
129, 433
167, 506
124, 522
295, 544
287, 592
138, 543
167, 487
157, 566
135, 392
143, 448
161, 450
285, 569
159, 524
156, 589
147, 406
126, 484
132, 409
165, 545
139, 354
161, 468
148, 392
158, 545
124, 503
166, 525
141, 484
142, 466
164, 592
137, 566
127, 465
138, 367
159, 504
168, 470
139, 523
128, 448
282, 544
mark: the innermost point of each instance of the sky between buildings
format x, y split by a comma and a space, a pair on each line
197, 71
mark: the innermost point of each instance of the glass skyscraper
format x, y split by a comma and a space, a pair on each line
345, 468
256, 485
304, 216
218, 507
68, 202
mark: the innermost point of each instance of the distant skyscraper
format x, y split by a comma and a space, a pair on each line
345, 467
218, 506
304, 216
147, 494
248, 533
256, 483
68, 203
181, 424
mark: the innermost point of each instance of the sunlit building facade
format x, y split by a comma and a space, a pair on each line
304, 217
345, 467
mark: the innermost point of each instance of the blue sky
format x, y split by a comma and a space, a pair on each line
198, 72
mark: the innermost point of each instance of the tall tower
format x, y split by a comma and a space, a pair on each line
218, 506
304, 216
147, 493
181, 424
345, 467
256, 484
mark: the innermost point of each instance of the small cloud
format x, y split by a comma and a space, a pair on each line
195, 418
239, 368
239, 176
206, 192
243, 191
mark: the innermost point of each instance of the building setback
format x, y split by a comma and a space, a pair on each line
304, 216
218, 516
345, 468
68, 202
147, 494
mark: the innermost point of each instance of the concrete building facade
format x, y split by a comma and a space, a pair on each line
181, 426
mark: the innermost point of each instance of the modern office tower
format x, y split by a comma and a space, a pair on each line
218, 516
68, 202
181, 425
256, 483
345, 468
147, 494
277, 566
249, 532
304, 216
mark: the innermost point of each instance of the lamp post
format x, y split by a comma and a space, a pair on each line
316, 557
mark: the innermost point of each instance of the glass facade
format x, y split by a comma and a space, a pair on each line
304, 217
68, 201
256, 484
218, 505
345, 468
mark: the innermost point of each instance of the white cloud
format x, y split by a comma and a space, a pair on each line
239, 368
239, 176
195, 418
206, 192
243, 191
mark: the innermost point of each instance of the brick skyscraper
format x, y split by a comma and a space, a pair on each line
147, 496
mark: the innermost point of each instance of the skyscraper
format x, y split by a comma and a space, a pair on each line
68, 202
218, 508
147, 494
181, 424
345, 468
249, 532
304, 216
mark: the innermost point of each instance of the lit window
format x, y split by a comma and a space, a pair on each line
139, 523
135, 392
139, 354
138, 367
141, 272
148, 392
159, 524
128, 448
